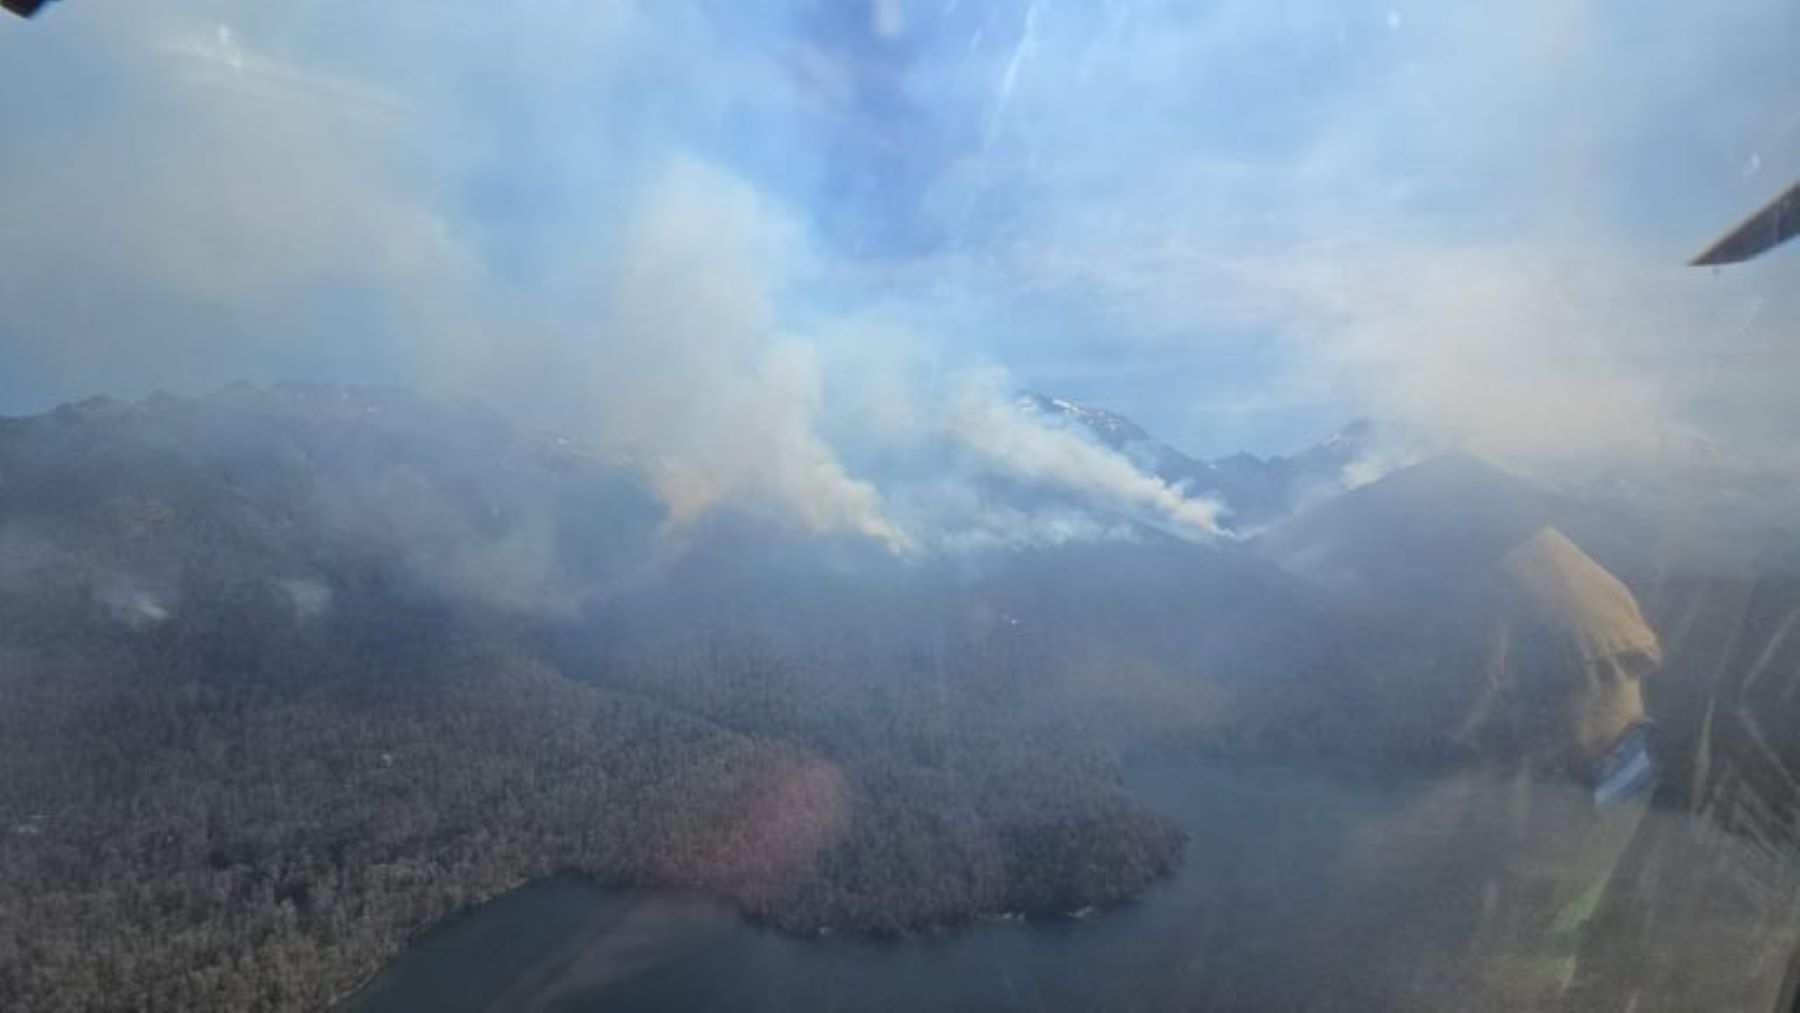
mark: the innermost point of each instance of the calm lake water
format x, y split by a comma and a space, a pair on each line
1300, 890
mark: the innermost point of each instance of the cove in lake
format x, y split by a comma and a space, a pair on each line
1300, 890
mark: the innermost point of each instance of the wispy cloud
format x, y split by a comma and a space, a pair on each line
1472, 219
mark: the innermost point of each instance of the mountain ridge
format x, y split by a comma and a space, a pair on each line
1256, 490
314, 650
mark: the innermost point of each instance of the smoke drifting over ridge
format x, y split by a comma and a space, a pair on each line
1017, 443
693, 371
693, 375
713, 272
658, 320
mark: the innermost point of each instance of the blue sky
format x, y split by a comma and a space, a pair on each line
1242, 223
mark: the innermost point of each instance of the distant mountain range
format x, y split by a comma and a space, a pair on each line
1256, 491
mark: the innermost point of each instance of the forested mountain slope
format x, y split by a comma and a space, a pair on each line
291, 674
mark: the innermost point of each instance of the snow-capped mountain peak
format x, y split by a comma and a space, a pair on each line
1257, 491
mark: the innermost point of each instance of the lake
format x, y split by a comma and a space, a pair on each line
1301, 889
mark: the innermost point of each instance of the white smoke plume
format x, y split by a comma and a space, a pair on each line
693, 375
984, 418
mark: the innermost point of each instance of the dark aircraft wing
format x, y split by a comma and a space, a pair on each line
23, 8
1763, 231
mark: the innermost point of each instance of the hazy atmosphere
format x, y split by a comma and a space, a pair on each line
796, 237
899, 504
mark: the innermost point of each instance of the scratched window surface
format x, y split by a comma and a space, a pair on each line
888, 504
